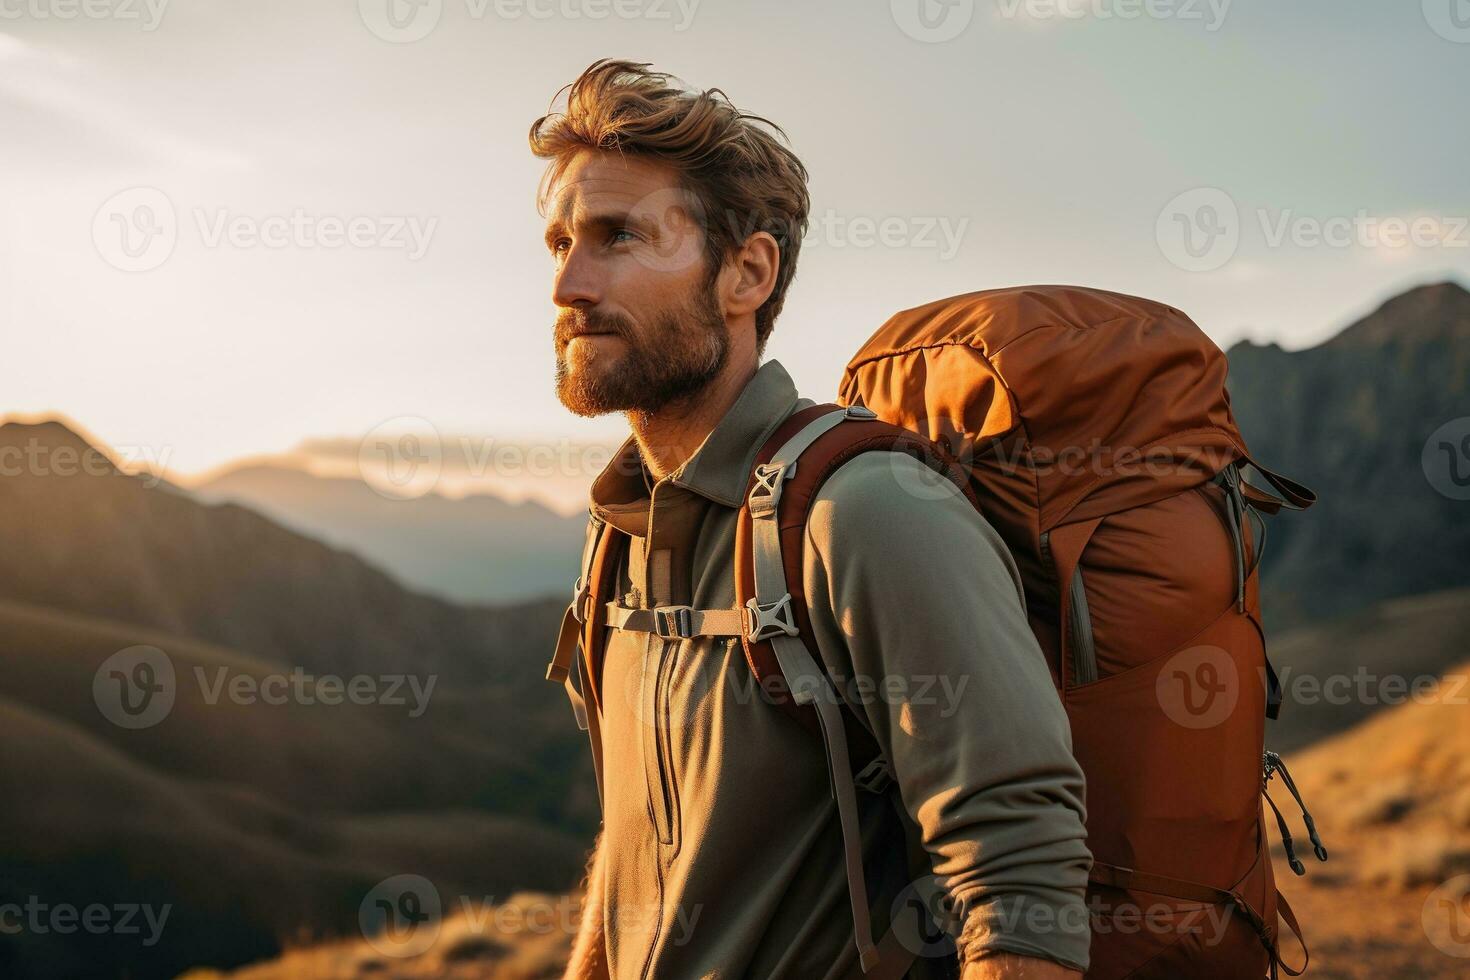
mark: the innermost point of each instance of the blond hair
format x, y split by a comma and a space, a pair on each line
744, 179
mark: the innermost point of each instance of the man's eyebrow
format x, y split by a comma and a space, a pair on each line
594, 222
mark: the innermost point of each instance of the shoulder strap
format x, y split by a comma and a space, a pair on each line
771, 528
769, 557
581, 632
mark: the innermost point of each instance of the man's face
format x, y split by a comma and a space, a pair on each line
640, 324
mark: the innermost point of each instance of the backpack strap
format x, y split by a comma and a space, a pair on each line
582, 631
789, 470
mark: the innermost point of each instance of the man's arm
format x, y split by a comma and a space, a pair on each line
915, 596
1007, 966
589, 949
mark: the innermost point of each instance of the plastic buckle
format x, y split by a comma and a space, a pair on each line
673, 621
767, 489
859, 412
875, 777
770, 619
579, 601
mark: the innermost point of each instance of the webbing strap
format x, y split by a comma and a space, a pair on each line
895, 954
1187, 891
1283, 908
566, 646
681, 622
583, 586
844, 791
576, 614
806, 680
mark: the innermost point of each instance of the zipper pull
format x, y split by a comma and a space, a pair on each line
1317, 847
1274, 763
1286, 843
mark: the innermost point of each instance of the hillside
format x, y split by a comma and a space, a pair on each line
1350, 418
257, 824
478, 548
1392, 801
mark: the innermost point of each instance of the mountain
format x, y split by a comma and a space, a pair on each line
1338, 673
101, 542
264, 803
478, 548
1359, 419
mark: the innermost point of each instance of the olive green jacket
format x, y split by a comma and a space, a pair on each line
721, 847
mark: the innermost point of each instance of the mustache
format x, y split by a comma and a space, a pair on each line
573, 321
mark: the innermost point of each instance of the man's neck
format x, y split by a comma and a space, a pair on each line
668, 437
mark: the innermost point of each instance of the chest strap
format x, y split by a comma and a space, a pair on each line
677, 622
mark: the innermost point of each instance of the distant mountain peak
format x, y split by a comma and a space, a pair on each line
1425, 314
52, 447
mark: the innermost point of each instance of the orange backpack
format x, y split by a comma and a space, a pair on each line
1094, 432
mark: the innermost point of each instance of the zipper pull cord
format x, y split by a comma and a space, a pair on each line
1317, 847
1286, 844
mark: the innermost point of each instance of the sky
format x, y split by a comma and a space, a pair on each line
227, 227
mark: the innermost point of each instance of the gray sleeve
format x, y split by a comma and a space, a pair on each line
914, 595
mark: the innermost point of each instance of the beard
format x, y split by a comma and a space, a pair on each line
672, 357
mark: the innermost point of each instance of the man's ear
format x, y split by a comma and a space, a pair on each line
750, 274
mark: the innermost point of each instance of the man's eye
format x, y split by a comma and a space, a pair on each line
620, 236
559, 246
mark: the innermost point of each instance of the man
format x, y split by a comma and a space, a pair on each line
674, 223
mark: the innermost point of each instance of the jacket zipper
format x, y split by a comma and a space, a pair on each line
663, 801
1079, 620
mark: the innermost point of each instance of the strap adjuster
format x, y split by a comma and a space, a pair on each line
770, 619
875, 777
767, 489
579, 601
672, 622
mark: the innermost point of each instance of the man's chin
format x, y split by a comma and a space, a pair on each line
586, 392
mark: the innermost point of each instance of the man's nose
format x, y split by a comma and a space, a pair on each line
577, 281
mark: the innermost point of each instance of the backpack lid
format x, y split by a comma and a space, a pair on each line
1112, 401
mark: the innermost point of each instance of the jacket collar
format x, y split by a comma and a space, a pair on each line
719, 469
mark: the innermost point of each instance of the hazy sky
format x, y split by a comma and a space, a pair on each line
1032, 146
